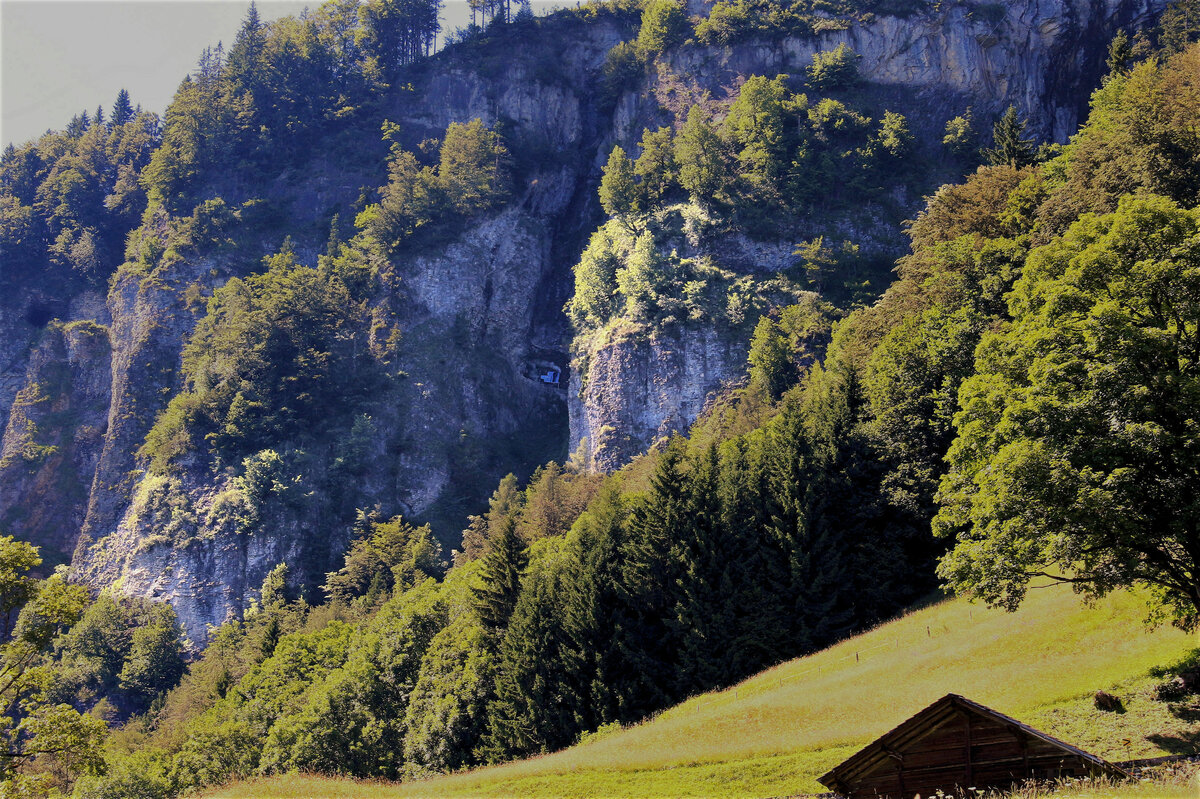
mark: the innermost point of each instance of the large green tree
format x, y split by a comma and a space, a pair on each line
618, 191
33, 727
501, 575
1078, 451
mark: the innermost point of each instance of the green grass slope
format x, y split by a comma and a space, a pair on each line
773, 734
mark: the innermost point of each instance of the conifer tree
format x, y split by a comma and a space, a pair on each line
705, 560
122, 110
246, 64
789, 498
759, 566
501, 574
1120, 53
77, 126
270, 637
505, 501
593, 612
1179, 26
533, 709
647, 584
1009, 144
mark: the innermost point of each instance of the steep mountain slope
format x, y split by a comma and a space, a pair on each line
477, 307
773, 734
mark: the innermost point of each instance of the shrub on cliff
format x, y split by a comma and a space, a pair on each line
273, 355
833, 70
473, 175
664, 24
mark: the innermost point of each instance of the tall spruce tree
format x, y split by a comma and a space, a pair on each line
246, 63
789, 497
501, 574
122, 110
706, 626
535, 708
1120, 53
1009, 144
593, 613
647, 584
761, 578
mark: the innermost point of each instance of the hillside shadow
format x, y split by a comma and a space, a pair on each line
1185, 744
1188, 662
1185, 712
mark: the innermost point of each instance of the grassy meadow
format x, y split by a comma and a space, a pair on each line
774, 733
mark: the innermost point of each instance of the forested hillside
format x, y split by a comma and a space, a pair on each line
623, 268
776, 732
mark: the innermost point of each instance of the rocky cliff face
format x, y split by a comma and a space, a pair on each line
53, 438
470, 402
480, 311
642, 387
205, 540
1043, 56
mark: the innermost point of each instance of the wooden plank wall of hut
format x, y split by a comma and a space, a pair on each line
970, 751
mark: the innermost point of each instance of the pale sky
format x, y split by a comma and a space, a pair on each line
60, 57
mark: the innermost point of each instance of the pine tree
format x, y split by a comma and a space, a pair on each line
501, 574
594, 615
705, 625
122, 111
1009, 146
1120, 53
647, 586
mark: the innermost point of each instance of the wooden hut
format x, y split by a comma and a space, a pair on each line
955, 744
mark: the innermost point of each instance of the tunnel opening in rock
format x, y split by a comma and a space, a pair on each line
39, 314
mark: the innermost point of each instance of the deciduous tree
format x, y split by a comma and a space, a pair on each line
1076, 456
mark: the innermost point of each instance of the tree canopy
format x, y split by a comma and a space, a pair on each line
1076, 455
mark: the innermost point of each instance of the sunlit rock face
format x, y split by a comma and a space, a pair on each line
480, 309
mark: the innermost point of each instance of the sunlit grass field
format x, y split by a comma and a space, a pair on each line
773, 734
